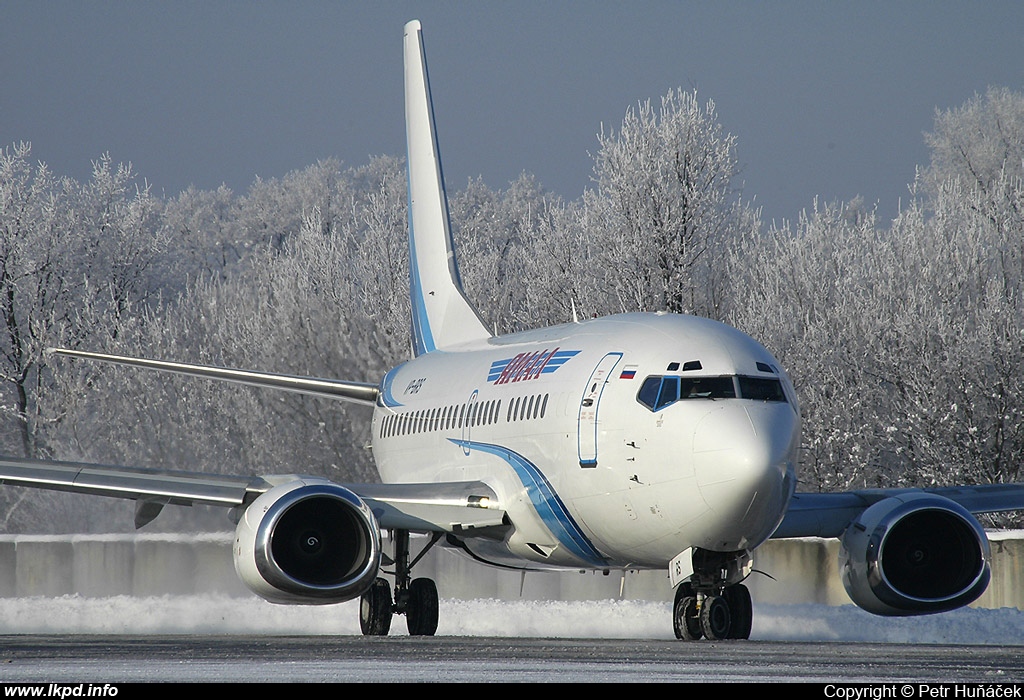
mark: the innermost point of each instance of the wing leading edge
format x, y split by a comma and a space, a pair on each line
829, 514
357, 392
463, 508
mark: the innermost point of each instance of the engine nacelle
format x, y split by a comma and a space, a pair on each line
308, 541
914, 555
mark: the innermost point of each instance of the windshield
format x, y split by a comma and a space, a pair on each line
657, 392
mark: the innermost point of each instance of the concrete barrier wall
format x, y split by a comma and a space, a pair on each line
108, 565
787, 571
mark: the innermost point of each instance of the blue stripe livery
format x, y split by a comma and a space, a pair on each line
545, 501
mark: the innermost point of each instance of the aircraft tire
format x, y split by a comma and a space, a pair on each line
741, 611
686, 614
375, 609
687, 620
422, 613
715, 617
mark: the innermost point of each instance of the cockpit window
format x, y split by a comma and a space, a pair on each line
761, 389
657, 392
649, 390
707, 388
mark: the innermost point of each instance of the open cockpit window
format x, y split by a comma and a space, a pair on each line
657, 392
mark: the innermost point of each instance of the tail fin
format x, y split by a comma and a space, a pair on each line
441, 314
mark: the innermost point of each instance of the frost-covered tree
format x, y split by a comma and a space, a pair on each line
963, 242
906, 342
978, 143
74, 259
205, 237
321, 300
663, 207
962, 401
809, 293
274, 209
76, 263
505, 242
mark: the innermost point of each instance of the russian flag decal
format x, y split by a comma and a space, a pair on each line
628, 372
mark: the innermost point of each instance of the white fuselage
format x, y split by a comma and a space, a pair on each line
589, 475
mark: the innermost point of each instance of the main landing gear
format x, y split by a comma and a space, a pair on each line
414, 598
712, 603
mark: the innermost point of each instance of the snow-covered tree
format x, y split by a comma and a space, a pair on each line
979, 142
906, 342
664, 206
74, 259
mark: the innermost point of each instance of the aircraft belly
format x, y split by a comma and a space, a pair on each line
499, 554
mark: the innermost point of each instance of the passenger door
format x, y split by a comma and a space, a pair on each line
589, 405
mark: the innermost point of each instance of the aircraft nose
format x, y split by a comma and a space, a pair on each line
744, 458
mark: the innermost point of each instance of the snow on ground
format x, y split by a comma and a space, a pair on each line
212, 615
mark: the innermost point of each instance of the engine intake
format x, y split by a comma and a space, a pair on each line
914, 555
308, 541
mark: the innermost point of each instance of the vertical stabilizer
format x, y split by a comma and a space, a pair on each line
441, 314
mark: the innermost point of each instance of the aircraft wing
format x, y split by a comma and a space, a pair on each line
464, 508
357, 392
828, 514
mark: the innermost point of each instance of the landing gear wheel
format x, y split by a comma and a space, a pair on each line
714, 617
741, 611
685, 614
422, 611
375, 609
687, 620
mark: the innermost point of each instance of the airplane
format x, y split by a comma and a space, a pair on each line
627, 442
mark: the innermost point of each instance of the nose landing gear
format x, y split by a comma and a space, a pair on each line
725, 615
713, 604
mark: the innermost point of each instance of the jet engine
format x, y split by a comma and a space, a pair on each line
914, 554
308, 541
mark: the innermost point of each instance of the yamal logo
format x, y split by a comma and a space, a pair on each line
528, 365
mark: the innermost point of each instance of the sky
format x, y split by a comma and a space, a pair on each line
826, 99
